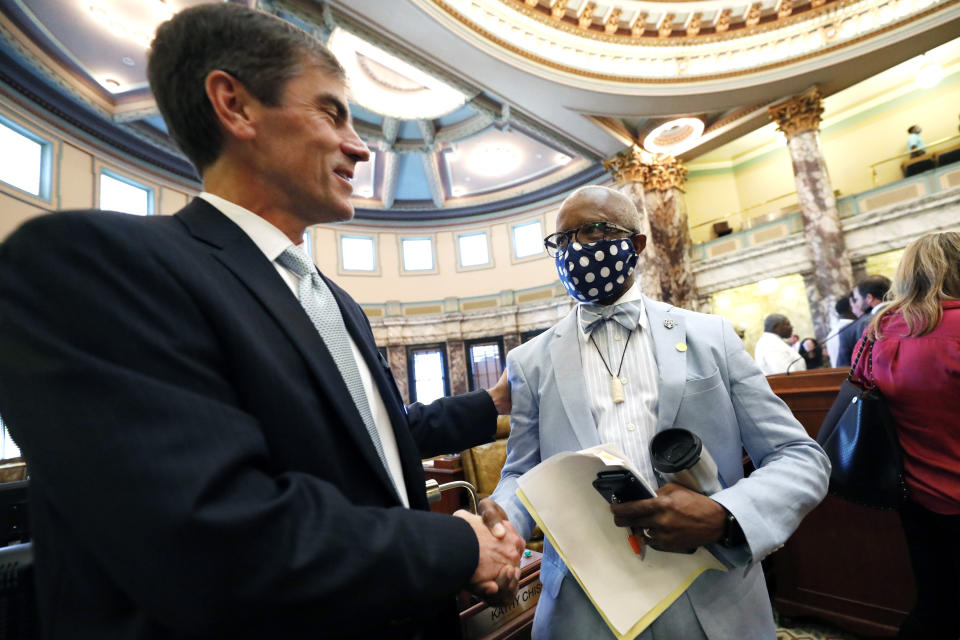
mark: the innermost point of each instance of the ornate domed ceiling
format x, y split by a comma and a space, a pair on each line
629, 43
480, 106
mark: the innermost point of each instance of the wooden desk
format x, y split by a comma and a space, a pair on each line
445, 469
845, 564
481, 622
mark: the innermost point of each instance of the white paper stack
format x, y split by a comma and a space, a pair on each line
628, 591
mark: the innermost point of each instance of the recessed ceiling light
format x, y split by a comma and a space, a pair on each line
128, 61
495, 159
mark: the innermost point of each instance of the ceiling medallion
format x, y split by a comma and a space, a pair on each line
563, 46
674, 137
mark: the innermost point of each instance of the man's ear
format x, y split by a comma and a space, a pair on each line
639, 242
231, 103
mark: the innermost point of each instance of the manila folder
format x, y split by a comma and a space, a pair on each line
628, 590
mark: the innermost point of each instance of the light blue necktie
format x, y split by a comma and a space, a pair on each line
625, 313
322, 309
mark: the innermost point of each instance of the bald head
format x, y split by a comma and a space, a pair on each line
594, 203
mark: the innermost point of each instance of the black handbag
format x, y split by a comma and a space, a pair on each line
860, 438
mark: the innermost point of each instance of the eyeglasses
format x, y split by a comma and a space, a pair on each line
584, 234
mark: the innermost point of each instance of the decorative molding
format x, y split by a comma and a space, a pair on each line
556, 17
709, 56
798, 114
634, 165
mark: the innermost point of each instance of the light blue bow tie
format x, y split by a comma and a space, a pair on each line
626, 313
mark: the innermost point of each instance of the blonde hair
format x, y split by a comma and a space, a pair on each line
928, 274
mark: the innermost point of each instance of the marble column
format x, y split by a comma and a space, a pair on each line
510, 340
457, 359
397, 359
666, 270
799, 119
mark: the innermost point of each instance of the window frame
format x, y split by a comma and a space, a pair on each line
342, 269
474, 267
433, 255
45, 188
411, 372
469, 344
113, 173
514, 256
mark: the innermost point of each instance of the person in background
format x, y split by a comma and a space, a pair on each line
772, 353
812, 353
865, 299
838, 324
916, 365
619, 368
914, 142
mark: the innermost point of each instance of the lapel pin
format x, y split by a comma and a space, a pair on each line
681, 347
669, 324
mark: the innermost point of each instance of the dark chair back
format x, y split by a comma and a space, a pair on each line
18, 606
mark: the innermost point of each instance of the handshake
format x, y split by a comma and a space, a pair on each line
497, 576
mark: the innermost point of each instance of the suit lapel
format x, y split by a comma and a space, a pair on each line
671, 362
358, 328
232, 247
571, 385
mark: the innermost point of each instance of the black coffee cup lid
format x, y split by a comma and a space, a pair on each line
674, 450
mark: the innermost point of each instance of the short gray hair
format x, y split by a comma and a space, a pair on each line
773, 321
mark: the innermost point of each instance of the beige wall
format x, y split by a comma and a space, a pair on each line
851, 146
854, 135
74, 174
448, 280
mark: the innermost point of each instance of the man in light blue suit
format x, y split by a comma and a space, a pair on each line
621, 368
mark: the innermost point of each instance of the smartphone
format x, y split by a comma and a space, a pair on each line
620, 485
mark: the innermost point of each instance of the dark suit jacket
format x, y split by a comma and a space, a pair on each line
197, 467
849, 337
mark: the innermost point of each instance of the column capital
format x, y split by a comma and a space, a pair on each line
798, 114
655, 173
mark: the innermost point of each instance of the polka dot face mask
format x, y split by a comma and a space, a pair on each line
595, 271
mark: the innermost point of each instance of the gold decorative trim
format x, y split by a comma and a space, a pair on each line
799, 114
633, 80
664, 173
637, 33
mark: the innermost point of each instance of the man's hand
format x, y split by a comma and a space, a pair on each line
678, 519
500, 393
498, 569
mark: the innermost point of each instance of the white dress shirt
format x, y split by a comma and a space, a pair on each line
773, 355
272, 242
833, 341
632, 423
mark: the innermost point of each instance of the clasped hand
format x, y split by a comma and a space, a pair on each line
497, 576
677, 519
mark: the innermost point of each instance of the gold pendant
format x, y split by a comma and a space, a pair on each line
616, 389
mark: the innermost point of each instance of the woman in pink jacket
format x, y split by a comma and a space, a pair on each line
916, 364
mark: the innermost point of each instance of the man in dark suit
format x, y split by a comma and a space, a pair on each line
866, 298
216, 449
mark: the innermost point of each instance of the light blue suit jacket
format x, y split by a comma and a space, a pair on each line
713, 388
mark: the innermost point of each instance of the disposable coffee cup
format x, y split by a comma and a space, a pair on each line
679, 456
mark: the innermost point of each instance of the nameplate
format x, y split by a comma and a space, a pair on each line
490, 618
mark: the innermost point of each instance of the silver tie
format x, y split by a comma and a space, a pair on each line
322, 309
